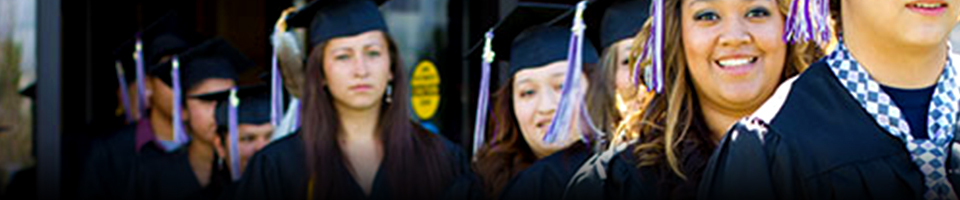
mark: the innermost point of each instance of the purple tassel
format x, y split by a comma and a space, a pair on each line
560, 125
179, 134
653, 51
479, 127
233, 136
141, 86
276, 91
808, 21
124, 95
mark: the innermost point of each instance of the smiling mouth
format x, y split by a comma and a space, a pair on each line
927, 5
736, 62
543, 123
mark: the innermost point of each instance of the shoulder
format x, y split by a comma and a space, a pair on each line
548, 177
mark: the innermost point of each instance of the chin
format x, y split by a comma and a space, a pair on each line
926, 36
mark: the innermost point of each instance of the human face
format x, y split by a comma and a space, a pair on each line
252, 138
624, 75
201, 118
734, 52
536, 93
901, 23
357, 70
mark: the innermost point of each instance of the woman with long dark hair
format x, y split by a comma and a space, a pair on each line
357, 140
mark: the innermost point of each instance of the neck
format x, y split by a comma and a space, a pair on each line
201, 161
162, 126
359, 124
719, 119
897, 65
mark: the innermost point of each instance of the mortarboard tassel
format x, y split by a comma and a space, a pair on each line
276, 80
479, 127
570, 95
652, 51
141, 86
276, 91
124, 98
179, 134
233, 137
807, 21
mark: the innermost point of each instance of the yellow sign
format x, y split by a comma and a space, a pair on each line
425, 95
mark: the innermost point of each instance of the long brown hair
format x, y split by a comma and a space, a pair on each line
412, 157
507, 153
665, 126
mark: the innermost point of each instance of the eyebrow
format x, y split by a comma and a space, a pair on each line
707, 1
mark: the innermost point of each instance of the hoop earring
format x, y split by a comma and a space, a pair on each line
389, 97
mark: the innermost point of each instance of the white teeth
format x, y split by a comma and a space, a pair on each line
927, 5
734, 62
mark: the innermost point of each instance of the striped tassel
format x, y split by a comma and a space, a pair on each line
233, 137
124, 95
808, 21
559, 129
479, 127
652, 51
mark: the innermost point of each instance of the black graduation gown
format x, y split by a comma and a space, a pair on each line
548, 177
279, 171
820, 144
172, 177
109, 171
616, 173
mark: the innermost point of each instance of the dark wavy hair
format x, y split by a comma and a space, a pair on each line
413, 159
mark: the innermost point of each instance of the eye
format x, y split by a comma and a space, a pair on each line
246, 139
558, 87
374, 54
341, 57
706, 16
758, 12
625, 62
527, 93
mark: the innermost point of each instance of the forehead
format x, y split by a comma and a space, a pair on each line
543, 73
374, 37
255, 128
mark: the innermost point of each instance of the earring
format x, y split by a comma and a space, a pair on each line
389, 97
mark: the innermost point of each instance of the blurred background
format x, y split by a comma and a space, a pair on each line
64, 49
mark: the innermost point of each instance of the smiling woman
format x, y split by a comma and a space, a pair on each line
722, 60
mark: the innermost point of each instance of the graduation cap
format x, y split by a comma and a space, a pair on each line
615, 20
328, 19
215, 58
249, 105
536, 34
167, 36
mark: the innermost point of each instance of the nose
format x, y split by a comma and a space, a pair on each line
361, 70
547, 104
734, 33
